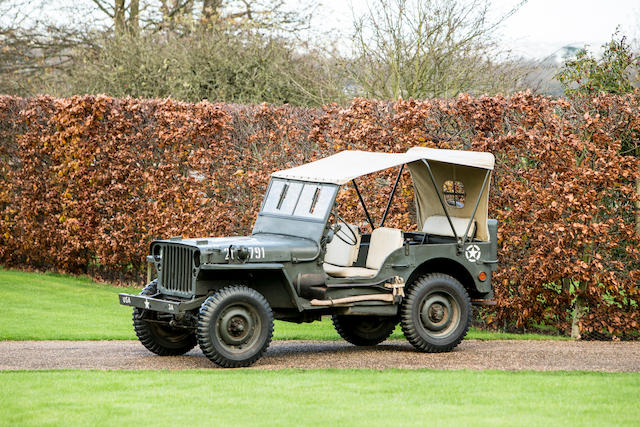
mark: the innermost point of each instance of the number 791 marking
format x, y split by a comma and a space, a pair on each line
254, 253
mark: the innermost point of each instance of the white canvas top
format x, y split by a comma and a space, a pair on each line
347, 165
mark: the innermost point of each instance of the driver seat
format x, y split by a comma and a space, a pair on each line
383, 241
339, 253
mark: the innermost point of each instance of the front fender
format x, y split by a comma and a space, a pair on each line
270, 279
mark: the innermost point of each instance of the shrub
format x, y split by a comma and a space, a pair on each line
89, 181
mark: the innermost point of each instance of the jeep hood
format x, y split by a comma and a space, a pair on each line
256, 248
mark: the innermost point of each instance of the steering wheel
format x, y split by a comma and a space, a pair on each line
349, 238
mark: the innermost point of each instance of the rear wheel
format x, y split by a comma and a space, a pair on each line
235, 326
436, 313
160, 338
364, 330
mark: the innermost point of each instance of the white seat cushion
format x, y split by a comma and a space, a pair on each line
341, 253
439, 225
384, 240
338, 271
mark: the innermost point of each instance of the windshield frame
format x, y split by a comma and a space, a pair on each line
310, 227
328, 203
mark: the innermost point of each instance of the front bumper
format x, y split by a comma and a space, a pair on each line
161, 305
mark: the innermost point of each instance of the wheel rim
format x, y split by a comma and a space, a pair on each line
439, 314
238, 327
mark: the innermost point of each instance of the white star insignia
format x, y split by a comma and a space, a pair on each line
472, 253
146, 303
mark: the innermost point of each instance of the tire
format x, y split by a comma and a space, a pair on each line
364, 330
235, 326
160, 339
436, 313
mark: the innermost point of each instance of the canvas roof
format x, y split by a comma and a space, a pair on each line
342, 167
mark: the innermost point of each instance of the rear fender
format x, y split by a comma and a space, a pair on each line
450, 267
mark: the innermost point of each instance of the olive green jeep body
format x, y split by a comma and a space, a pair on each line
303, 261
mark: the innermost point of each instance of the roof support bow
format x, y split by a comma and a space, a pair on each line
366, 212
444, 207
393, 192
475, 208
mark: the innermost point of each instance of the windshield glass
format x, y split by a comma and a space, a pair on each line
301, 199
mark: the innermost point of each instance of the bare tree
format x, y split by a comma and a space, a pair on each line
33, 49
133, 22
125, 15
210, 9
429, 48
186, 14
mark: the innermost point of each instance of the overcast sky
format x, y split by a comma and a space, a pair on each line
538, 29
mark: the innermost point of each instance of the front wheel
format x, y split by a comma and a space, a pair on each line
156, 334
436, 313
235, 326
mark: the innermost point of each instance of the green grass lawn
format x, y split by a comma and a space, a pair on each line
57, 307
322, 397
46, 306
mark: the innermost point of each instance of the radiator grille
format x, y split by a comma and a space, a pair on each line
177, 263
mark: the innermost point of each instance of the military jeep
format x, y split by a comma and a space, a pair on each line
304, 261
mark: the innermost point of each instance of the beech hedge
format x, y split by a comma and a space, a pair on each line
88, 181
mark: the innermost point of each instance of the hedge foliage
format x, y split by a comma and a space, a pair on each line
89, 181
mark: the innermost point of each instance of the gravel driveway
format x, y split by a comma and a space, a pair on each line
471, 354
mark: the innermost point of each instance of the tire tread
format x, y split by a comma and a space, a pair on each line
344, 328
145, 336
207, 311
406, 320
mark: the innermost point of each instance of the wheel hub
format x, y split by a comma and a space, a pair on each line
236, 326
436, 313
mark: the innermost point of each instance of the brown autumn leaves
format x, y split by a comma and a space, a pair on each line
87, 182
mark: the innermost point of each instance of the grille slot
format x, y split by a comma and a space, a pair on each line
177, 262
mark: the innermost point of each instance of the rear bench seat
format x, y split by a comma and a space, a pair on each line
439, 226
